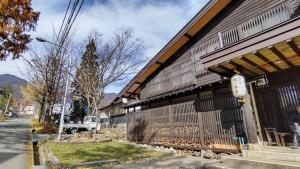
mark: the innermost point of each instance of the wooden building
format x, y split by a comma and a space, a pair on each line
185, 91
113, 114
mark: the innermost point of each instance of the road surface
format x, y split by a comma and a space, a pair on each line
14, 149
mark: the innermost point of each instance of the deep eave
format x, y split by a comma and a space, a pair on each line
207, 13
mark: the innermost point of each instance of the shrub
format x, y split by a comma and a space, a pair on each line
48, 129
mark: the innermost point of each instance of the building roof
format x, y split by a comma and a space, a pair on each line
107, 100
207, 13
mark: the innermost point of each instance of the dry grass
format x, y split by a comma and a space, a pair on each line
43, 128
79, 153
2, 118
36, 125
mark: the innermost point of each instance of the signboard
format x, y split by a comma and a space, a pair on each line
261, 81
238, 86
57, 108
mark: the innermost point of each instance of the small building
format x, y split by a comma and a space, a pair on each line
185, 92
114, 114
29, 110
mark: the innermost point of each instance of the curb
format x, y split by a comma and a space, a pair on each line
47, 158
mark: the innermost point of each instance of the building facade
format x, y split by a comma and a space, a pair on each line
114, 115
185, 92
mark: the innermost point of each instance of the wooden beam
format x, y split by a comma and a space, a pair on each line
219, 73
133, 93
254, 64
238, 66
229, 71
294, 47
188, 36
157, 62
280, 55
262, 57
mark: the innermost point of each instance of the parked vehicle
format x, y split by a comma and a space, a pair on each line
15, 115
89, 124
8, 115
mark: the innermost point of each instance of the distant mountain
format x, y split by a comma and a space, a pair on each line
13, 81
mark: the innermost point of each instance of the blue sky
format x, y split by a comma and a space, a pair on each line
153, 21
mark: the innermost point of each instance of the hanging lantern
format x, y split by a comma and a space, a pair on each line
238, 86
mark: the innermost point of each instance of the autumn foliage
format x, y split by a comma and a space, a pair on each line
17, 18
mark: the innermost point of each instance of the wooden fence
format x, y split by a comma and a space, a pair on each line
213, 120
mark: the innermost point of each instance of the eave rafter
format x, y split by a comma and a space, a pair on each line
229, 71
238, 67
281, 56
253, 64
269, 62
294, 46
219, 73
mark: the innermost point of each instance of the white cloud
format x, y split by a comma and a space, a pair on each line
153, 21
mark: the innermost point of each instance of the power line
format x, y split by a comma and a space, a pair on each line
75, 16
62, 24
66, 27
71, 19
70, 16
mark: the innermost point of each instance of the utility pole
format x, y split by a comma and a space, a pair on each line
61, 126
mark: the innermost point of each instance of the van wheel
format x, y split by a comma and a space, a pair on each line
73, 130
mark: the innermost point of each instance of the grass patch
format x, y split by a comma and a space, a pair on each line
79, 153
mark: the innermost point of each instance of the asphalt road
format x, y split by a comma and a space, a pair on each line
14, 149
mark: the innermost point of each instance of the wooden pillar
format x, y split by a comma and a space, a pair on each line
248, 117
250, 126
255, 112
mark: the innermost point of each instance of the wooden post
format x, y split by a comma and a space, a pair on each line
249, 120
255, 112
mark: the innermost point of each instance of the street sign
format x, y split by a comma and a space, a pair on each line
57, 108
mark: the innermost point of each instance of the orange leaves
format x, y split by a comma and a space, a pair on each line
17, 18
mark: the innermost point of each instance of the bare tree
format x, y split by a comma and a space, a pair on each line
46, 70
110, 60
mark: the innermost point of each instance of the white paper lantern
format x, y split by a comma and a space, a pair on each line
238, 86
124, 100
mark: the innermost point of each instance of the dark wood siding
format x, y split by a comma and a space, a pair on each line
201, 120
237, 21
177, 75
